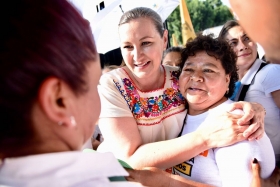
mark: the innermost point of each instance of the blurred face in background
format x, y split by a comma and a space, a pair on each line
172, 59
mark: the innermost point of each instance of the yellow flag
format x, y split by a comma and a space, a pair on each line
188, 33
174, 40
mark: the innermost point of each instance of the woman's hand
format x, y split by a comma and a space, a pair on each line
221, 129
253, 113
256, 180
272, 181
150, 176
154, 177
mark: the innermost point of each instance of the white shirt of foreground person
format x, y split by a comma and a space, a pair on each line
63, 169
226, 166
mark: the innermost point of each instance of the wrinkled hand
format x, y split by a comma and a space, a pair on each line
253, 113
219, 130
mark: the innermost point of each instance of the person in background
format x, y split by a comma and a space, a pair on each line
172, 56
96, 139
263, 29
142, 105
49, 104
108, 67
245, 49
257, 80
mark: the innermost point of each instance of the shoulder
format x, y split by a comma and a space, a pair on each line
224, 107
270, 68
268, 75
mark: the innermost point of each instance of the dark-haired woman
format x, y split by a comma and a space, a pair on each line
258, 81
49, 71
207, 81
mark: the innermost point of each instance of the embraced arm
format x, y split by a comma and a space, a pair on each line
152, 176
155, 177
122, 137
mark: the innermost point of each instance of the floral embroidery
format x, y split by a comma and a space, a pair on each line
152, 106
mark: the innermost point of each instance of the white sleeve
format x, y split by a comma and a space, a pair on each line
234, 162
113, 103
271, 81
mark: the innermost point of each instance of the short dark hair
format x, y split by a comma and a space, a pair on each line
172, 49
217, 48
38, 39
143, 12
226, 27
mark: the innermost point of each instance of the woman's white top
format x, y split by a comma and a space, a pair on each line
226, 166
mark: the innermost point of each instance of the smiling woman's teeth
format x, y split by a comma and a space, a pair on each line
194, 89
141, 65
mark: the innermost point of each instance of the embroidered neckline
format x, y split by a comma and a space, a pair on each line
154, 107
160, 88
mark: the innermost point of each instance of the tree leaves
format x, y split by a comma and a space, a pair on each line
204, 14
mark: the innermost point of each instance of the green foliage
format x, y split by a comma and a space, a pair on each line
204, 14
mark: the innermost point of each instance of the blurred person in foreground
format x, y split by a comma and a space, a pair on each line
49, 104
172, 56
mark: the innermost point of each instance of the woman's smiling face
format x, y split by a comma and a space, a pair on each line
203, 82
142, 47
244, 48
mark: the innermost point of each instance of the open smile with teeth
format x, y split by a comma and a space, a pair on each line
142, 65
195, 89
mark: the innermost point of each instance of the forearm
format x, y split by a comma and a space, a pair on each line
165, 154
152, 176
122, 137
178, 181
